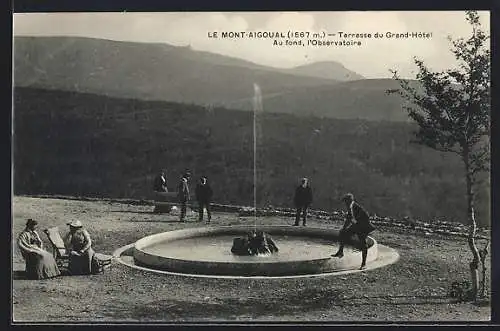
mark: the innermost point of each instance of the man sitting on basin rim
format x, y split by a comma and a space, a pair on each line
357, 222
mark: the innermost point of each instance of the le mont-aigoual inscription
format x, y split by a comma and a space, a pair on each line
308, 38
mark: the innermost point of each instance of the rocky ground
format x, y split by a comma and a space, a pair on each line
413, 289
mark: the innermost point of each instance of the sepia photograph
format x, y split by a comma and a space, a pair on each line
251, 167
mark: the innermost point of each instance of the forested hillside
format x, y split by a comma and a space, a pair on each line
89, 145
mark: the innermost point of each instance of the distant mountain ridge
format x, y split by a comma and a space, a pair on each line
164, 72
145, 71
326, 69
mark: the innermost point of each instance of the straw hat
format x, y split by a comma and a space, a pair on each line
75, 224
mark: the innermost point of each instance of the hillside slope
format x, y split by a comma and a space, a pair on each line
361, 99
180, 74
144, 71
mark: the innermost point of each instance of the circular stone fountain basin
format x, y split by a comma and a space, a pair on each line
207, 251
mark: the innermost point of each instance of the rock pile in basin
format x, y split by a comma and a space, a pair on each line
255, 243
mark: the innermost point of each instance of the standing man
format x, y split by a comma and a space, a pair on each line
183, 194
160, 188
160, 182
357, 222
203, 194
302, 200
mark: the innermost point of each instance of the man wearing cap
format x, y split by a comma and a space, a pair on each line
183, 194
357, 222
79, 245
302, 200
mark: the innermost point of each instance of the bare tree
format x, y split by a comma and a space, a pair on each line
452, 110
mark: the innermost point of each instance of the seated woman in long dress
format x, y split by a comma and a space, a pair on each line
40, 264
79, 246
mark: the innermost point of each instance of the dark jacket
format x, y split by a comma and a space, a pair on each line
183, 190
359, 218
203, 192
303, 196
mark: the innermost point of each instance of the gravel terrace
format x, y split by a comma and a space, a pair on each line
413, 289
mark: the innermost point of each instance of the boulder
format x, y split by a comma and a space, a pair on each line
255, 243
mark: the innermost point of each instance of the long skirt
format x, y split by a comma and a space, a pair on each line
41, 265
81, 265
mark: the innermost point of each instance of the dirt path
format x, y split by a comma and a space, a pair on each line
413, 289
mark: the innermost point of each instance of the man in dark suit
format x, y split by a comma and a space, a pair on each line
302, 200
183, 194
356, 223
203, 194
160, 182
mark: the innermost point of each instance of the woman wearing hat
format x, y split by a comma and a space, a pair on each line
40, 264
80, 251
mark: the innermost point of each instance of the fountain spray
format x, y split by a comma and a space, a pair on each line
257, 107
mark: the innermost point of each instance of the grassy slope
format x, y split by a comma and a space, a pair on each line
81, 144
413, 289
362, 99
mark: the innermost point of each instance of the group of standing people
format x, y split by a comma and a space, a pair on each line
203, 193
40, 264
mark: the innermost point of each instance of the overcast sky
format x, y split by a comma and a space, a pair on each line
372, 59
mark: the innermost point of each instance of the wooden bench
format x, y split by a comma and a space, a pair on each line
61, 254
58, 249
